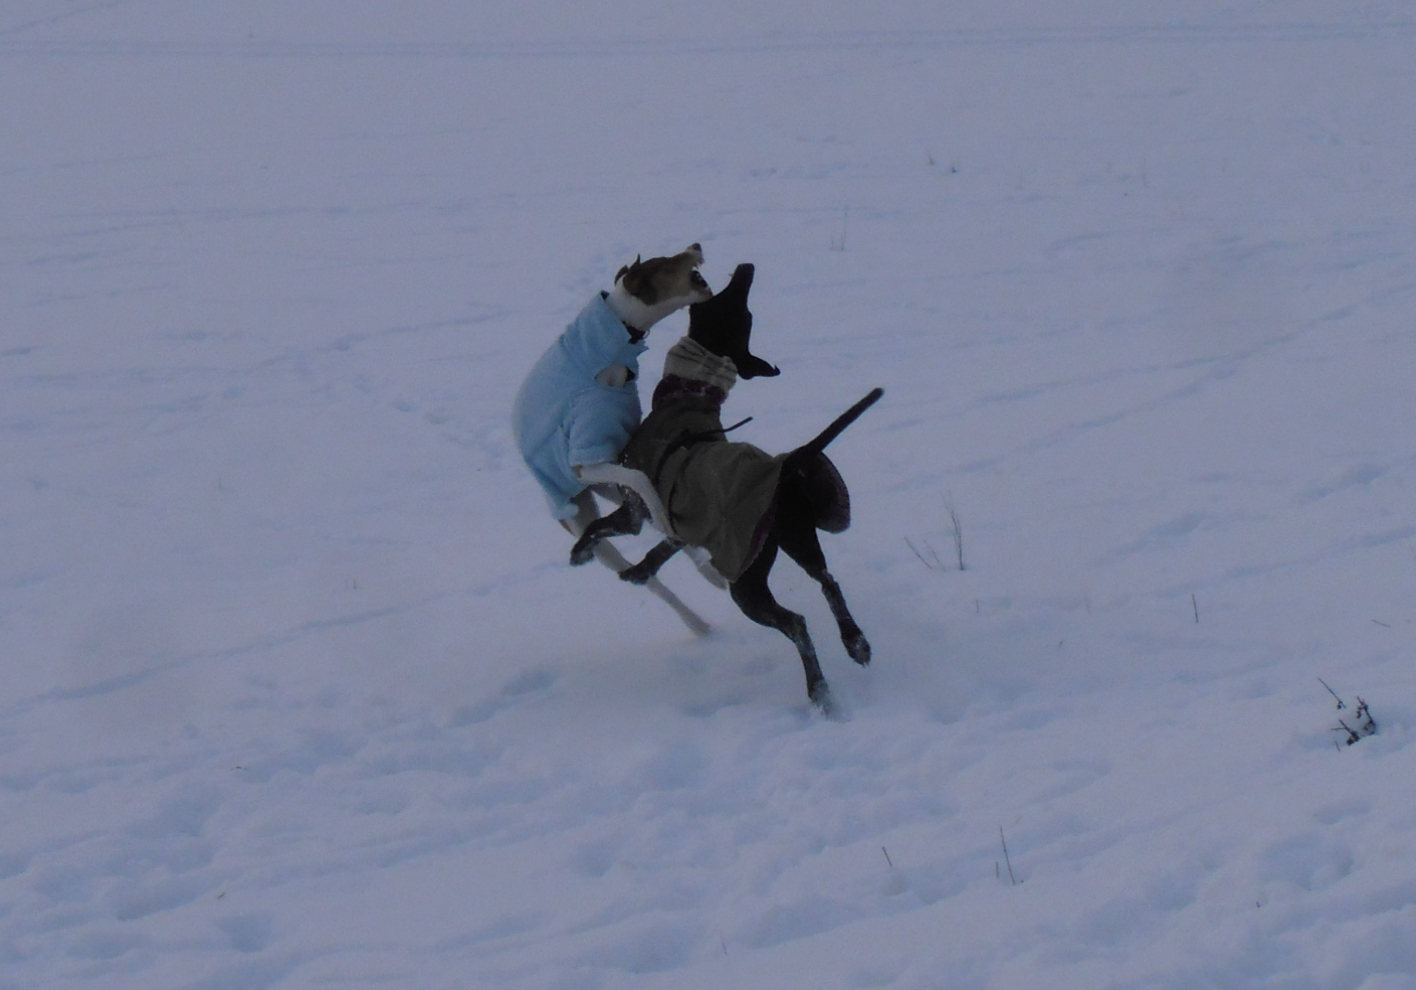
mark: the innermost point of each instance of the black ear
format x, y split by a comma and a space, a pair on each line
753, 366
723, 325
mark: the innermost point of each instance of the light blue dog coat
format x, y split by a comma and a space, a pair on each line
563, 417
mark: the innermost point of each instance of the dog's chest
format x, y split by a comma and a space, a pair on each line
717, 492
696, 392
673, 424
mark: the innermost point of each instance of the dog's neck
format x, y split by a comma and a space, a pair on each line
691, 370
635, 313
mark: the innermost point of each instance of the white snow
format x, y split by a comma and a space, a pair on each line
300, 691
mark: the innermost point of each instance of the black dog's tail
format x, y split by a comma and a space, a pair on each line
842, 421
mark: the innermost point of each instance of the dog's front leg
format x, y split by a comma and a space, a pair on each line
656, 558
605, 552
632, 480
627, 520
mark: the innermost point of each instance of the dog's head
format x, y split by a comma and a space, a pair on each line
647, 291
723, 325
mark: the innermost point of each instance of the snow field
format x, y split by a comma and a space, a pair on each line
300, 691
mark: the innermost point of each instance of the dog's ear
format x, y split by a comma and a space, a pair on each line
626, 269
734, 299
724, 320
755, 367
723, 325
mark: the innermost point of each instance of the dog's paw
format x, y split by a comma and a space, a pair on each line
583, 552
857, 648
638, 574
820, 695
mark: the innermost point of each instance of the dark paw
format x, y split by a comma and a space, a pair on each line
638, 574
583, 551
857, 648
820, 695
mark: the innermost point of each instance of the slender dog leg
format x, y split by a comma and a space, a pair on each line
614, 560
586, 513
627, 520
703, 560
646, 569
857, 646
752, 595
800, 542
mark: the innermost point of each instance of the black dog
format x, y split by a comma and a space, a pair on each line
740, 503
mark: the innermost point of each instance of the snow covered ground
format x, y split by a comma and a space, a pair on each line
299, 690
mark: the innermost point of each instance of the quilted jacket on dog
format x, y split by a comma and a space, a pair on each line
564, 418
720, 495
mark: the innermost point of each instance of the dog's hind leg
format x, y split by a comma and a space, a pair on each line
627, 520
752, 595
703, 560
605, 553
615, 561
797, 535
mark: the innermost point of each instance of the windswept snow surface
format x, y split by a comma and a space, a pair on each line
300, 691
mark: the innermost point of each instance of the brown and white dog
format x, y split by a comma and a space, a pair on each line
579, 404
647, 291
